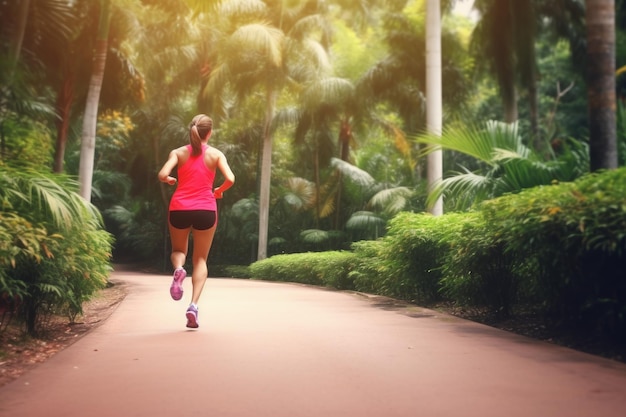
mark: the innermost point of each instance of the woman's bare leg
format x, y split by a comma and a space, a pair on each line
202, 241
180, 246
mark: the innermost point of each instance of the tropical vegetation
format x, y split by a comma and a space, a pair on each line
321, 109
556, 250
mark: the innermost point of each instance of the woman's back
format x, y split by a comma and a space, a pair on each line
195, 180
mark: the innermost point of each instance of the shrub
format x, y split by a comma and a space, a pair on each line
370, 267
418, 246
561, 247
571, 240
479, 271
232, 271
328, 269
54, 253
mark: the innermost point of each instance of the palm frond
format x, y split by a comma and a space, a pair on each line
301, 193
245, 208
314, 23
220, 75
314, 236
329, 91
53, 19
287, 116
277, 241
353, 173
365, 221
10, 190
502, 155
263, 39
315, 55
465, 188
520, 173
47, 197
120, 214
478, 143
238, 8
328, 204
506, 136
203, 6
390, 200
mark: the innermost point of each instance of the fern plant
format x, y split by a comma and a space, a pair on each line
55, 252
507, 164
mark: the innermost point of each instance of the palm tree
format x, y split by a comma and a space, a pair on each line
122, 84
66, 57
59, 38
416, 79
326, 105
34, 24
169, 54
600, 17
504, 40
379, 202
88, 141
257, 55
20, 30
41, 34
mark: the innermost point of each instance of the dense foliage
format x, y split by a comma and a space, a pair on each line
559, 248
54, 252
335, 91
331, 270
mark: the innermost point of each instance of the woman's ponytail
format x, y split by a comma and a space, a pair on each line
200, 127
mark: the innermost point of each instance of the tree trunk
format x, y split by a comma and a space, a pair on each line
316, 174
538, 143
266, 177
345, 136
600, 17
511, 113
22, 18
65, 98
433, 95
90, 120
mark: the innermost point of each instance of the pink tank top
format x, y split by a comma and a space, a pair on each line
195, 185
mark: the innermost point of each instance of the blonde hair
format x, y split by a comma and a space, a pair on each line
201, 125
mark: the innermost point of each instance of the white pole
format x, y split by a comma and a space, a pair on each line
434, 107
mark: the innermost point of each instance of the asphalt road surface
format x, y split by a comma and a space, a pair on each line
286, 350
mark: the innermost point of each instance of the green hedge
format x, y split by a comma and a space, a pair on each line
479, 271
568, 242
560, 248
328, 269
407, 263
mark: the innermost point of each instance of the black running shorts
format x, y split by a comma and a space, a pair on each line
198, 219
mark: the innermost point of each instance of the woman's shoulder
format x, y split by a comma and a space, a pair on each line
181, 154
212, 156
182, 150
213, 151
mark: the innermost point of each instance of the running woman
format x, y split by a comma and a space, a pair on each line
193, 207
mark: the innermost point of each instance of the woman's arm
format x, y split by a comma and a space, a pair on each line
229, 177
164, 173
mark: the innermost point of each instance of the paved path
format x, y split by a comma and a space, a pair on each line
283, 350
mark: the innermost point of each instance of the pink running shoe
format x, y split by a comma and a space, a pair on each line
192, 317
176, 289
